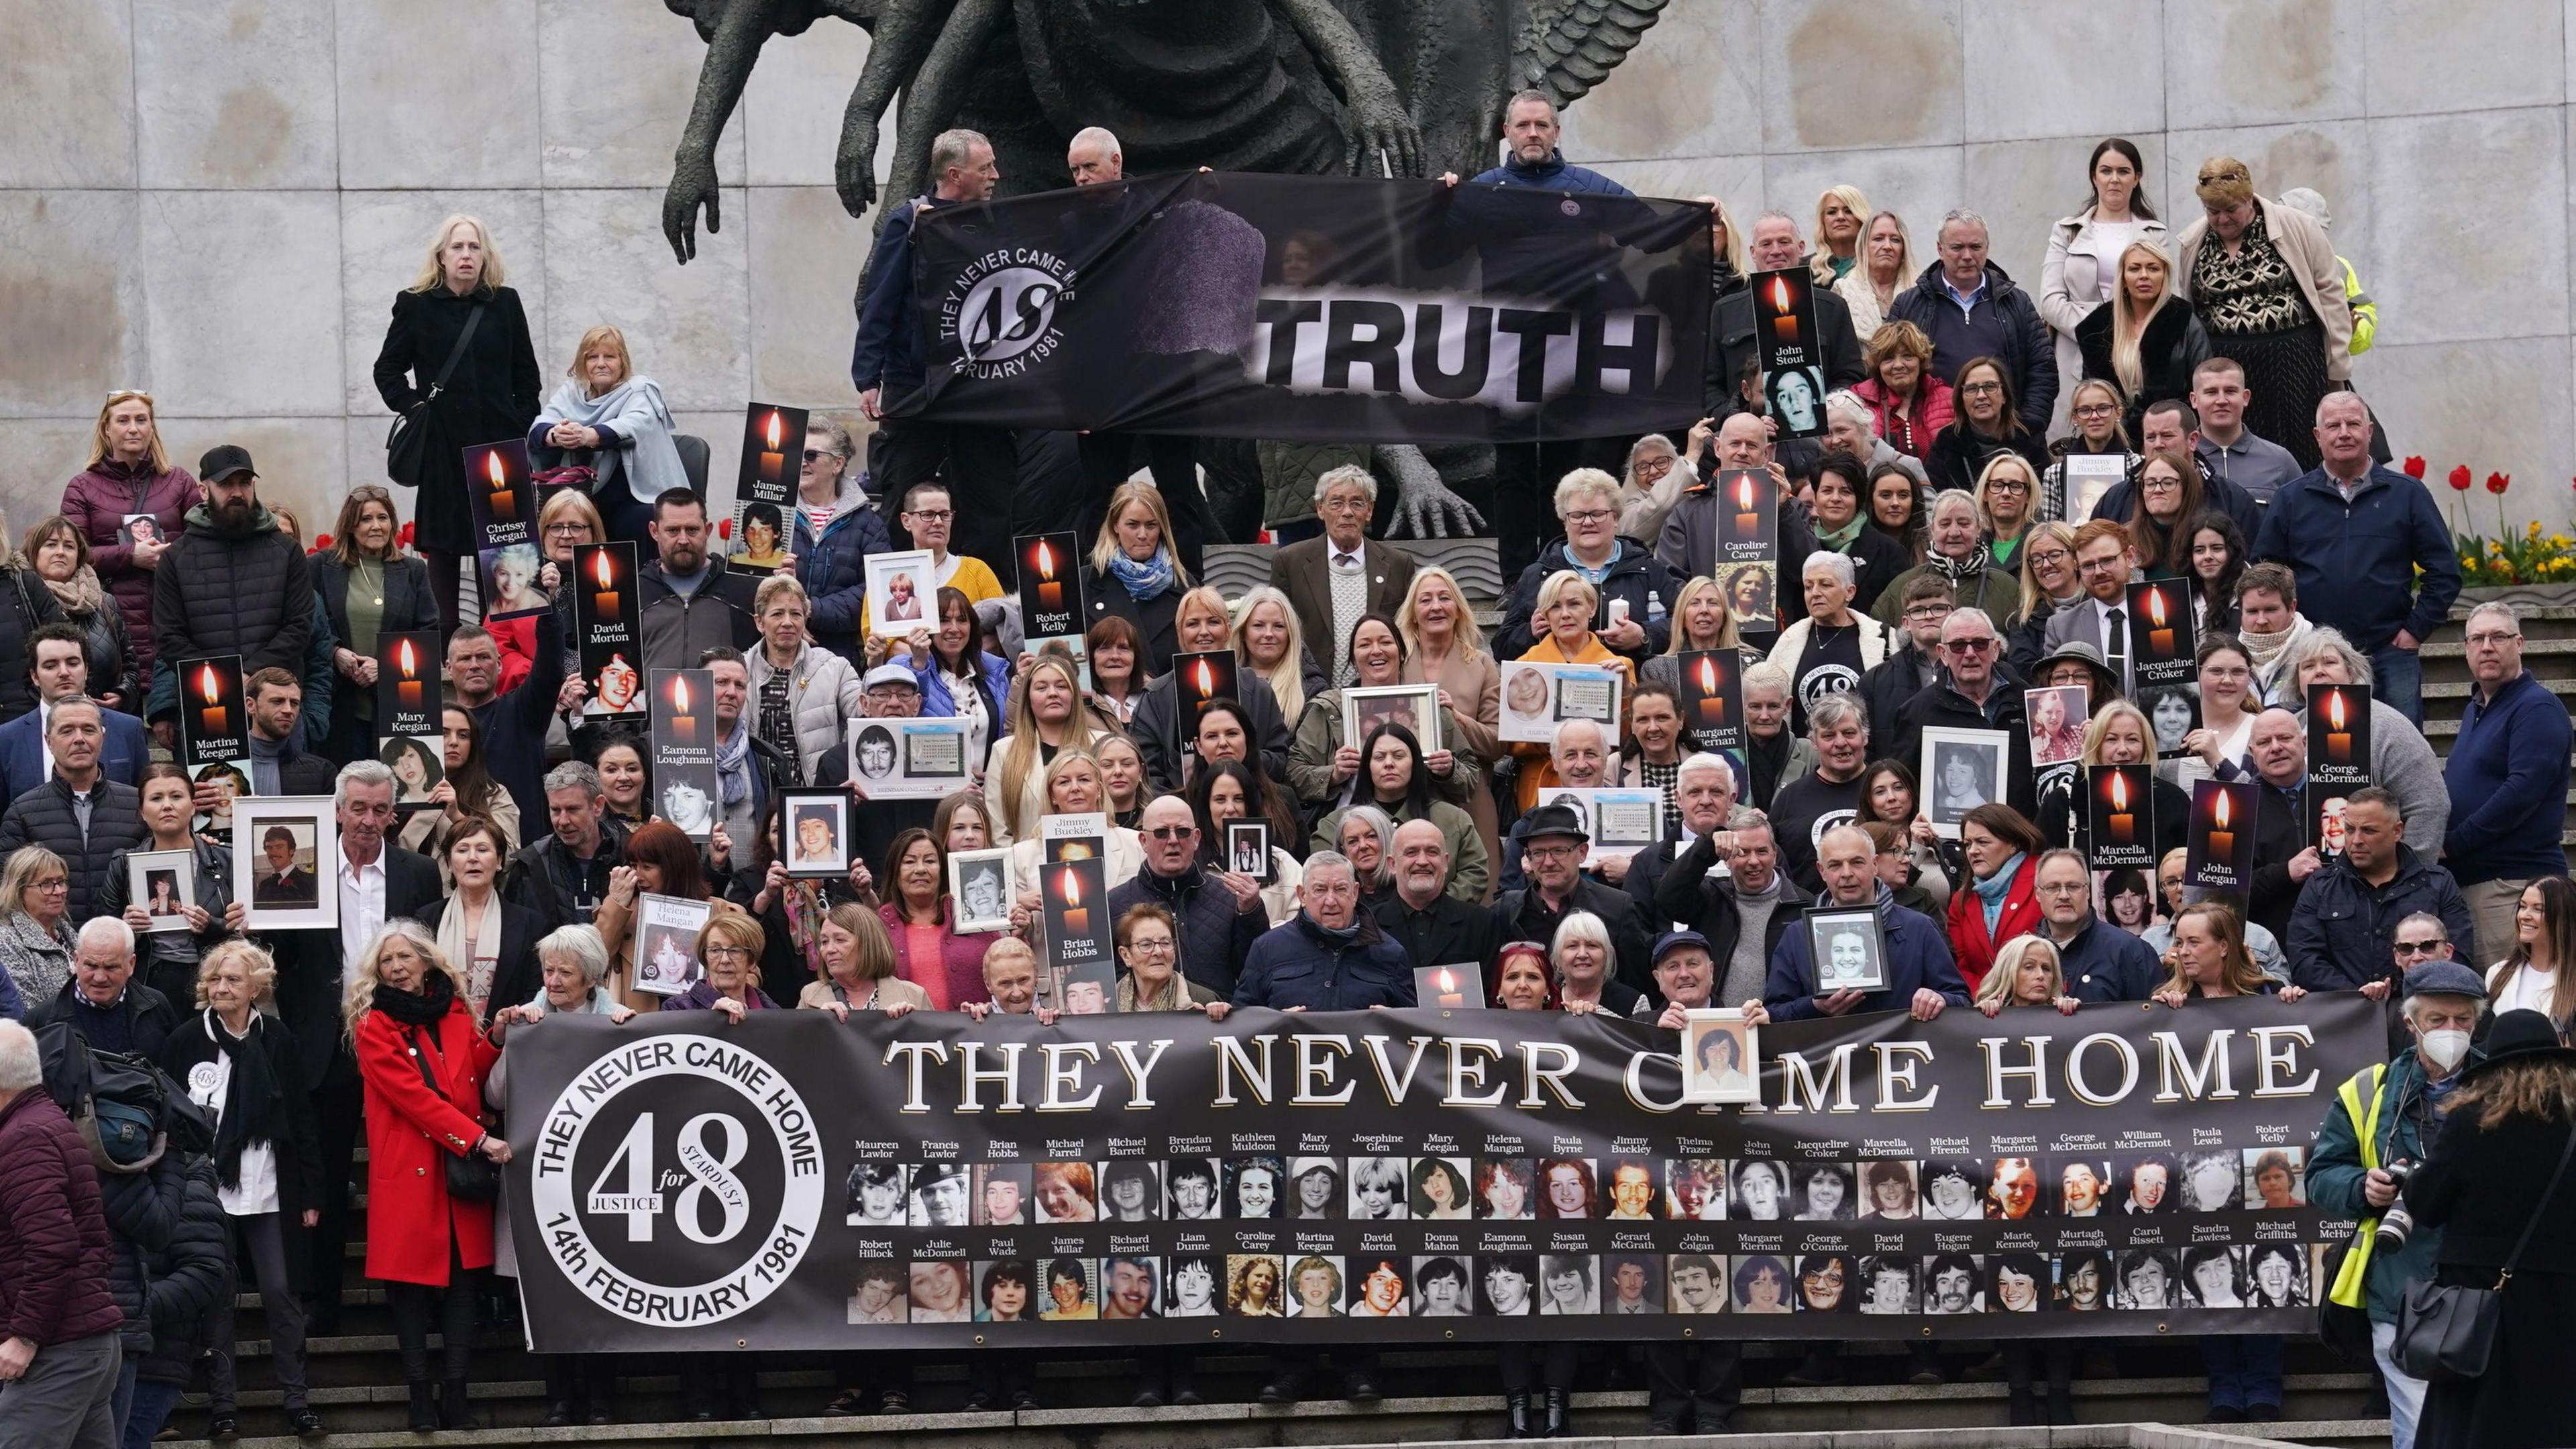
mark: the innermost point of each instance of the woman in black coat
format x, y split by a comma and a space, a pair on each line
491, 397
2171, 343
393, 596
2503, 1134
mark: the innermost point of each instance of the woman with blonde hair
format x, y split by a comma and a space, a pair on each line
1269, 645
1562, 620
1701, 622
1074, 786
1886, 268
822, 689
1135, 571
1202, 625
2027, 972
2268, 288
35, 936
2118, 734
1842, 212
2083, 267
608, 418
421, 1062
2007, 489
59, 558
1444, 646
2098, 411
130, 502
1046, 715
2147, 338
490, 391
2049, 583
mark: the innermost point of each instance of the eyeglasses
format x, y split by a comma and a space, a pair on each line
2096, 410
1589, 516
813, 453
57, 884
117, 395
2006, 485
1548, 852
1976, 389
574, 529
370, 493
2491, 640
2419, 948
727, 953
1925, 613
1968, 646
1173, 832
1150, 948
932, 515
2098, 565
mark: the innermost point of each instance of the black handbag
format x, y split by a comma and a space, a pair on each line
2447, 1334
407, 443
471, 1177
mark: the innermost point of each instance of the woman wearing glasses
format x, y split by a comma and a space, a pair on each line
369, 589
129, 477
836, 528
1988, 423
2096, 410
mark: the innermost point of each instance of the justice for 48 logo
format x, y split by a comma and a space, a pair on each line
1001, 311
677, 1181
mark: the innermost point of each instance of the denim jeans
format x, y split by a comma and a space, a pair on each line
2405, 1395
2397, 676
151, 1409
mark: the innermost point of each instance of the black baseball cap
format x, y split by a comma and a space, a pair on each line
223, 461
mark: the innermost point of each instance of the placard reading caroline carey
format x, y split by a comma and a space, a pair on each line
682, 1184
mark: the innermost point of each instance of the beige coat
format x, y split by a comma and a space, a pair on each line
2302, 243
1475, 685
891, 991
2070, 286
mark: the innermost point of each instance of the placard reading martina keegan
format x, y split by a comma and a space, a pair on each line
928, 1182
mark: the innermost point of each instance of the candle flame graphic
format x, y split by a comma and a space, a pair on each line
773, 432
2334, 711
1448, 981
2120, 794
206, 684
2156, 607
679, 696
1780, 295
1207, 679
492, 466
1072, 889
1046, 560
599, 566
1744, 495
2218, 816
410, 660
1708, 676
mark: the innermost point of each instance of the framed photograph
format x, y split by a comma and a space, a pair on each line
164, 884
1721, 1057
140, 528
1538, 696
509, 582
1247, 849
419, 762
901, 593
979, 881
1849, 950
1076, 647
909, 759
665, 953
818, 833
1414, 706
279, 844
2055, 716
1961, 770
1461, 984
1624, 821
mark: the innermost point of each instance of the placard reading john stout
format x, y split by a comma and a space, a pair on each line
683, 1184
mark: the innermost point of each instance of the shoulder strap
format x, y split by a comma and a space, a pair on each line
428, 1079
472, 321
2541, 1207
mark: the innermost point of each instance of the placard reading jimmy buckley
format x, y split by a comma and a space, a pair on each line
683, 1184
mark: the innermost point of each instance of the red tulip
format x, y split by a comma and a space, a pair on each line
2460, 478
2415, 469
2498, 482
321, 541
405, 540
724, 528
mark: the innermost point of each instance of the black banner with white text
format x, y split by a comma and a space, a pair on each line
925, 1182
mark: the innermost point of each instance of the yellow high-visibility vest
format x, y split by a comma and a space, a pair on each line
2365, 1123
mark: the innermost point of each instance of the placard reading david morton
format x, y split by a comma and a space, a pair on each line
671, 1187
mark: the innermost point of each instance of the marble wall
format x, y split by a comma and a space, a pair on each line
217, 199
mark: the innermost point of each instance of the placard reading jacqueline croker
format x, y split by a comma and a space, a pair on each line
683, 1184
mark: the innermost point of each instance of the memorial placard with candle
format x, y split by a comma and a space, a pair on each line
2338, 758
2161, 635
2120, 820
764, 489
1076, 898
500, 494
1793, 376
1083, 836
214, 727
1713, 697
685, 789
1050, 584
608, 630
1459, 984
1747, 565
407, 687
1200, 678
2219, 851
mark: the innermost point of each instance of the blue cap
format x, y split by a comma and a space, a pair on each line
1668, 940
2444, 978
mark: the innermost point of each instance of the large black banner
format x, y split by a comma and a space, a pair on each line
1315, 307
793, 1182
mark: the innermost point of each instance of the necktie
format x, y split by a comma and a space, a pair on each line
2115, 646
1350, 600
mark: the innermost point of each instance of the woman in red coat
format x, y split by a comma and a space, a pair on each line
420, 1055
2002, 900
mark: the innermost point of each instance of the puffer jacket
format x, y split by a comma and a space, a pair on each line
189, 1277
98, 500
108, 645
142, 1219
248, 593
54, 1248
822, 691
47, 816
833, 571
26, 605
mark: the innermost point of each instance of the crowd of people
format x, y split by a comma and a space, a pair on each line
1940, 552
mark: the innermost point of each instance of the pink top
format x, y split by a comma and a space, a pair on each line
949, 968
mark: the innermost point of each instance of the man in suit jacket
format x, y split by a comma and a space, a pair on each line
2104, 556
377, 882
1331, 581
59, 668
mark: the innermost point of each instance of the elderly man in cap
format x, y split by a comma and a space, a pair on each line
2383, 1115
1554, 838
234, 583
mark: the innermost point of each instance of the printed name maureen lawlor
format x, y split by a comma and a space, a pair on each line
928, 1181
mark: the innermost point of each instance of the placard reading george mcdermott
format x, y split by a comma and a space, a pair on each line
681, 1184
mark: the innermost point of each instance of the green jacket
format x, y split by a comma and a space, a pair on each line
1468, 867
2371, 1280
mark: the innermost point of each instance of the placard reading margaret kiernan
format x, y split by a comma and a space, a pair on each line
682, 1184
1316, 307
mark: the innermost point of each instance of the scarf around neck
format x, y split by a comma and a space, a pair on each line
1992, 890
1840, 539
80, 595
1147, 581
1342, 937
733, 761
425, 1007
248, 1113
1959, 571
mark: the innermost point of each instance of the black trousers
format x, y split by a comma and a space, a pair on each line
446, 585
1553, 1361
1693, 1387
1525, 479
339, 1115
981, 468
416, 1305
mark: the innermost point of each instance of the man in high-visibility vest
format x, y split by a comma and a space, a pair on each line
2383, 1115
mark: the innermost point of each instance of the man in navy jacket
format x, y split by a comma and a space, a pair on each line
2101, 962
2507, 775
2343, 933
58, 666
1331, 956
1969, 309
2354, 533
1922, 980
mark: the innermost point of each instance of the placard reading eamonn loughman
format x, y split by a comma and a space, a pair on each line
924, 1182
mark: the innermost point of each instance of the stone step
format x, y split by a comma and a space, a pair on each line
2462, 689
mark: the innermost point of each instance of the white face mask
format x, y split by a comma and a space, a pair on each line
2445, 1049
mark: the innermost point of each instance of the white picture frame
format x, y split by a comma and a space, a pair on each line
903, 592
979, 886
294, 897
1537, 696
1706, 1079
1415, 706
664, 957
817, 826
1985, 756
2088, 477
1623, 819
147, 872
1247, 849
929, 757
